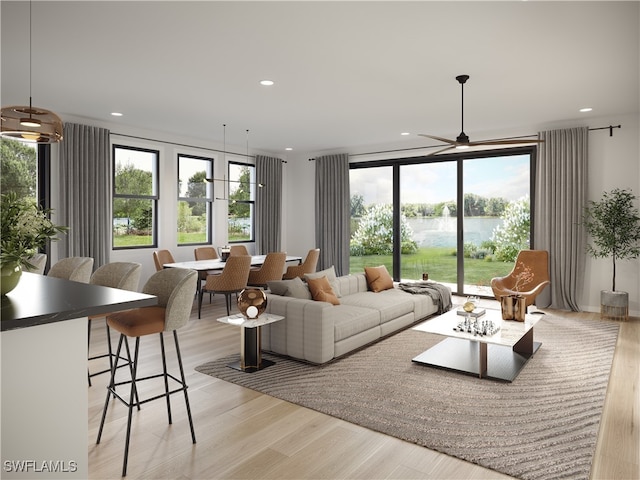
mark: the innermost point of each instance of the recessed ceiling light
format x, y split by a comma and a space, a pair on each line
405, 133
586, 109
288, 149
116, 114
266, 82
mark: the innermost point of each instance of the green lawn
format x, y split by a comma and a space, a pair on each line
440, 263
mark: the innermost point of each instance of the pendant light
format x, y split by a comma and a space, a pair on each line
29, 123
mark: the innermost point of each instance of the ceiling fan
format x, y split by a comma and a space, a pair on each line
462, 141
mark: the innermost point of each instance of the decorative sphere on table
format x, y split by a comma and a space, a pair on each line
252, 302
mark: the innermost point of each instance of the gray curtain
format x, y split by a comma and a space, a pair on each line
85, 193
268, 204
332, 210
561, 195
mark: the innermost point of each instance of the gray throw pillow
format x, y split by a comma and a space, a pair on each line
278, 287
298, 289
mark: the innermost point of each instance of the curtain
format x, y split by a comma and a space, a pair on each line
268, 204
332, 210
561, 195
85, 193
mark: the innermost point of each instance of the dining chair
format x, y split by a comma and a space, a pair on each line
206, 253
238, 250
160, 257
122, 275
76, 269
233, 279
39, 262
308, 266
270, 270
174, 289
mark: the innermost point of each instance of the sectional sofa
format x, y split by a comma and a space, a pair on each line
361, 313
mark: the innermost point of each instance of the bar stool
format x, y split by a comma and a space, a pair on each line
174, 288
122, 275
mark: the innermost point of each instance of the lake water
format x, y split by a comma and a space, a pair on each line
441, 232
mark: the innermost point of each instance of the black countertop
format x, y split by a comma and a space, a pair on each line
39, 299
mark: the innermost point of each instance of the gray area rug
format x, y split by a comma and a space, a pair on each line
544, 425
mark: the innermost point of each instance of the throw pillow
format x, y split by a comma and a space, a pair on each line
321, 290
330, 273
378, 278
289, 288
297, 289
278, 287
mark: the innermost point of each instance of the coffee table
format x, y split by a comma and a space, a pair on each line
499, 356
250, 340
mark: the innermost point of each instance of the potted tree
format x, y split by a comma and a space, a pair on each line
613, 224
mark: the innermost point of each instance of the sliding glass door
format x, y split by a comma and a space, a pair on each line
458, 220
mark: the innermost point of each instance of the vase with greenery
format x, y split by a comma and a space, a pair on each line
613, 223
26, 227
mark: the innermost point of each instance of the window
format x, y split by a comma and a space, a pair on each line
459, 218
19, 168
194, 199
242, 196
135, 197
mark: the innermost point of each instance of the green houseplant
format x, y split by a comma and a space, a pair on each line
25, 228
613, 223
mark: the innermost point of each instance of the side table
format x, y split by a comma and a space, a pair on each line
250, 340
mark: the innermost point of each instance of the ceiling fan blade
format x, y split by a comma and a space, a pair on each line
441, 150
440, 139
503, 142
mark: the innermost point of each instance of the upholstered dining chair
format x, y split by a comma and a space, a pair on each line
529, 276
174, 288
76, 269
271, 269
39, 262
206, 253
123, 275
160, 257
238, 250
308, 266
233, 279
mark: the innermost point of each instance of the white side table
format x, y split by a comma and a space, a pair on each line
250, 340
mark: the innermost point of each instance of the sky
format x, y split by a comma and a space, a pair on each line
506, 177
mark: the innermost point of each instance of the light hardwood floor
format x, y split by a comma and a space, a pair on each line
242, 434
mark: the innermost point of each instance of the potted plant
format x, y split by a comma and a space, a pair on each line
25, 228
613, 224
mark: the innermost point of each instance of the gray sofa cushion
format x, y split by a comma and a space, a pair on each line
389, 305
350, 320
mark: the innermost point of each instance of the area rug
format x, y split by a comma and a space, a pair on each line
544, 425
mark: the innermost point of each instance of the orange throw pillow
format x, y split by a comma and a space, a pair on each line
378, 278
321, 290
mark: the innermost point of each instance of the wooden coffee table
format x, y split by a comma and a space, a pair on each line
499, 356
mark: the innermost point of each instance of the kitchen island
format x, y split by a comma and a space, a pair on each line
44, 429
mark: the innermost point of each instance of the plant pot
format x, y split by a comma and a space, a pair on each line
614, 305
10, 274
514, 307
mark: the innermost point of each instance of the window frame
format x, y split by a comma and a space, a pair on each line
154, 197
208, 201
458, 158
251, 202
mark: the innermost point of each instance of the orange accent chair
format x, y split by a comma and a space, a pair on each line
529, 276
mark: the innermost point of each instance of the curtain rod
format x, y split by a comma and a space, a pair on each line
610, 128
186, 145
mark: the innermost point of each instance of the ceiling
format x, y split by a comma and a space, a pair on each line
347, 74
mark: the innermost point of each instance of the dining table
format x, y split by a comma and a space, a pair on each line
218, 265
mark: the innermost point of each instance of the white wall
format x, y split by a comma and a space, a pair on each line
613, 162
